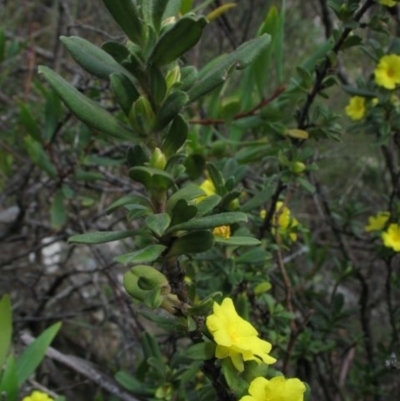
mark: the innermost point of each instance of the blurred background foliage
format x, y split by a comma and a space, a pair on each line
63, 186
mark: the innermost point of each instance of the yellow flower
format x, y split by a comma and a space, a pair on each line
235, 337
283, 221
222, 231
374, 101
263, 213
37, 396
276, 389
387, 72
389, 3
356, 108
391, 237
208, 187
376, 223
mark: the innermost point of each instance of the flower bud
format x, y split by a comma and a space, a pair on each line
158, 159
298, 167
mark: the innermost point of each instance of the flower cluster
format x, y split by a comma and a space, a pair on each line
37, 396
238, 340
283, 222
387, 75
391, 236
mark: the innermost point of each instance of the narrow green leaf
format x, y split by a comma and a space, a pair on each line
216, 220
9, 380
132, 384
176, 136
207, 205
124, 91
177, 40
359, 92
39, 157
193, 242
116, 50
151, 178
126, 15
29, 122
101, 237
219, 73
145, 255
90, 57
52, 115
237, 241
201, 351
32, 356
157, 12
5, 327
85, 109
129, 200
187, 193
170, 109
258, 199
58, 213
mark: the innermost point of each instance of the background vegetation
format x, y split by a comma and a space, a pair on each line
328, 302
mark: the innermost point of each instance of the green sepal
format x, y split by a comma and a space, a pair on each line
85, 109
177, 40
124, 90
193, 242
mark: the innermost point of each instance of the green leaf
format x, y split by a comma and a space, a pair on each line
90, 57
176, 136
5, 328
129, 200
9, 380
207, 205
258, 199
101, 237
187, 193
116, 50
151, 178
177, 40
182, 212
124, 91
239, 59
255, 255
157, 11
29, 122
145, 255
189, 76
216, 220
201, 351
216, 178
306, 184
39, 157
30, 359
58, 213
51, 116
359, 92
237, 241
132, 384
193, 242
170, 109
85, 109
126, 15
158, 223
